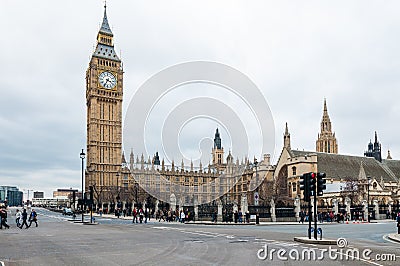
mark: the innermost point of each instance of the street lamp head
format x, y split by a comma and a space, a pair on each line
82, 154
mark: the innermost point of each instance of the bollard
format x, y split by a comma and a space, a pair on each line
319, 231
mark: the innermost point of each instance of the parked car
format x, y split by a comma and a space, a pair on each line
67, 211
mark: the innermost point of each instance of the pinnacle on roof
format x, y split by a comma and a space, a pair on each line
286, 130
123, 158
389, 157
325, 115
217, 140
105, 27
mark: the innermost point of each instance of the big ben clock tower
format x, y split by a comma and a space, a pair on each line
104, 89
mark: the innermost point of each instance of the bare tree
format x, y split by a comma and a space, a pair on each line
98, 195
351, 189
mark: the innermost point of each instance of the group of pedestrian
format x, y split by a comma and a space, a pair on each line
21, 218
238, 217
140, 215
174, 216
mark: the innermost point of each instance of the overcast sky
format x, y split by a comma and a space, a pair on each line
296, 52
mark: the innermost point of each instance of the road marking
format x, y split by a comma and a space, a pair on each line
161, 227
200, 234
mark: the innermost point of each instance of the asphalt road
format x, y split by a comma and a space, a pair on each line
119, 242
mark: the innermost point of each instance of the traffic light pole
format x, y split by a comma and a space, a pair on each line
313, 184
309, 219
315, 216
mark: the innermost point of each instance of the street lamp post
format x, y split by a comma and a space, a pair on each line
368, 218
82, 156
28, 201
118, 187
255, 165
118, 194
136, 193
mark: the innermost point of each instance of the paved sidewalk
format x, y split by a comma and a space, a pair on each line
112, 216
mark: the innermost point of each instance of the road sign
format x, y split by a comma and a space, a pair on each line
256, 198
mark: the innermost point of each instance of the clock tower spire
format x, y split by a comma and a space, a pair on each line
104, 91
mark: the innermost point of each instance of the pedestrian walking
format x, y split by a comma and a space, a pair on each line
24, 217
33, 218
141, 215
135, 213
3, 215
146, 214
161, 216
18, 218
302, 215
240, 216
247, 217
398, 223
183, 215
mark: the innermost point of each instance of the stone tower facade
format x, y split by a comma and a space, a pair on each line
326, 141
375, 149
104, 90
217, 151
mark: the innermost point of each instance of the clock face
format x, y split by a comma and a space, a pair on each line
107, 80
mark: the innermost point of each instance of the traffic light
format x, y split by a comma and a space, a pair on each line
313, 182
321, 181
305, 186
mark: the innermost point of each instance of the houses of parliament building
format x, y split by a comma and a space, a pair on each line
147, 180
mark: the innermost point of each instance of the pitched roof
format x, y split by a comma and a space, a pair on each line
339, 166
394, 166
106, 51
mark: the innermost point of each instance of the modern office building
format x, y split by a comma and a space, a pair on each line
10, 196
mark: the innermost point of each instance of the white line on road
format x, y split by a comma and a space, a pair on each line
200, 234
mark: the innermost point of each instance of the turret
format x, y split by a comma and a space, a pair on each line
286, 138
